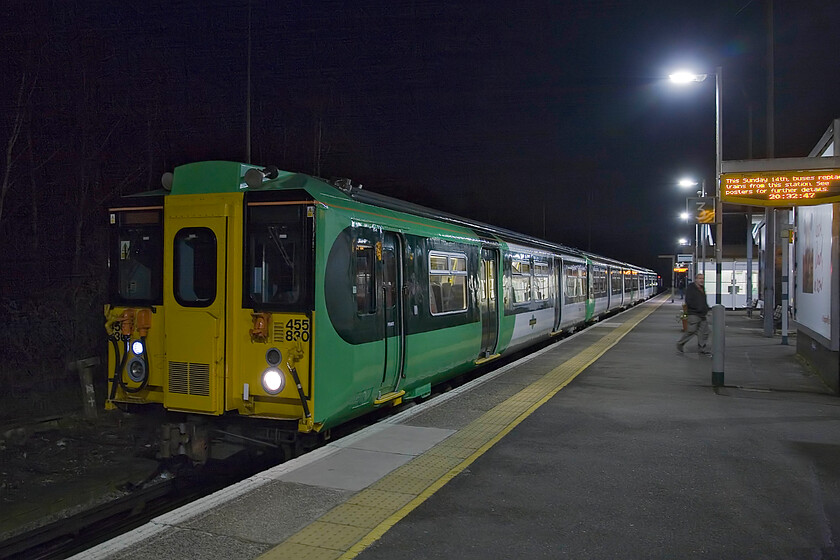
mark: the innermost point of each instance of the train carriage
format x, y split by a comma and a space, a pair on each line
264, 307
529, 295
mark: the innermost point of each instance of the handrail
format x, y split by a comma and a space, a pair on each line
385, 337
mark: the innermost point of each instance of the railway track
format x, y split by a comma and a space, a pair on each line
76, 533
79, 532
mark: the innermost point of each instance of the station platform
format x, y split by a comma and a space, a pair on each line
608, 444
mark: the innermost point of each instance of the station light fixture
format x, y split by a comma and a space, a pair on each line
686, 77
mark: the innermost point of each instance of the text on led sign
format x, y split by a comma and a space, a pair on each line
781, 188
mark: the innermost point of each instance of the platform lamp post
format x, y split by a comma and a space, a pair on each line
685, 216
684, 242
718, 323
700, 228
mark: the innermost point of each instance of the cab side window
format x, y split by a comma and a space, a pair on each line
365, 285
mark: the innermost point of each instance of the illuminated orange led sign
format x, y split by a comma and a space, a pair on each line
781, 188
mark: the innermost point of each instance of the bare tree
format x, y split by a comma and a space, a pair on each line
21, 107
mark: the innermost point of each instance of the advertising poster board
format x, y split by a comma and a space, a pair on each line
814, 250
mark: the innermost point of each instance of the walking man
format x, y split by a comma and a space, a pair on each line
697, 308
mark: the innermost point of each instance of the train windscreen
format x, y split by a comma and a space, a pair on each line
137, 257
278, 257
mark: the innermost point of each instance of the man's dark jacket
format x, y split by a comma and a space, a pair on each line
695, 300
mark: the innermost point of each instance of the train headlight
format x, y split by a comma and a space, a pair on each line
137, 347
273, 381
136, 370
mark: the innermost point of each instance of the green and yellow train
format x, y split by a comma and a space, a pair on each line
262, 307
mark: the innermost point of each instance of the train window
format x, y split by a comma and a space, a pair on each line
276, 267
389, 273
447, 283
521, 281
615, 281
541, 281
575, 282
458, 264
438, 263
195, 267
488, 283
137, 276
365, 287
630, 282
599, 281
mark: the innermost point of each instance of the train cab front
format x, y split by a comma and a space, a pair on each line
273, 374
239, 319
134, 319
212, 309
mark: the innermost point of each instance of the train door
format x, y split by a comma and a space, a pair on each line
389, 283
558, 293
195, 248
487, 301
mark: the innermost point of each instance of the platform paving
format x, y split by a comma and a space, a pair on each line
640, 457
608, 445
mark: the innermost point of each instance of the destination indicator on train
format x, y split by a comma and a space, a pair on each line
781, 188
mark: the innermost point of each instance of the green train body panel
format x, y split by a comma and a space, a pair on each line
506, 322
590, 309
348, 376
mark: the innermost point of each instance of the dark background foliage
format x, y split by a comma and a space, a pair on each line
549, 118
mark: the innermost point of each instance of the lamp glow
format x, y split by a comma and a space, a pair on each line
273, 381
686, 77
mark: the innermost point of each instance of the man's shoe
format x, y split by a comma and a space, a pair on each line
680, 348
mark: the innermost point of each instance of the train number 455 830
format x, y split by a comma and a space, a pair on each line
297, 329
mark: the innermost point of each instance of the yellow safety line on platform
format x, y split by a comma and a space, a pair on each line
349, 528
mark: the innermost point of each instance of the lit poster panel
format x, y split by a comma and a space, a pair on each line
813, 274
781, 188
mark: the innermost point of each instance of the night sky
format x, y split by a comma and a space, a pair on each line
489, 110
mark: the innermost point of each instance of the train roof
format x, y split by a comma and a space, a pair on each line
226, 176
482, 229
614, 262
